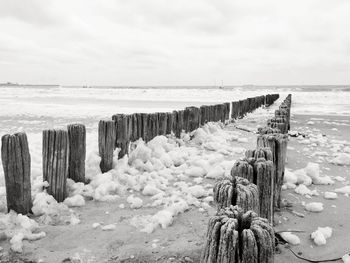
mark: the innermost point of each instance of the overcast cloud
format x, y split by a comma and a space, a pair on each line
179, 42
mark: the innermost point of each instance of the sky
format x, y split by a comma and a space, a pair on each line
179, 42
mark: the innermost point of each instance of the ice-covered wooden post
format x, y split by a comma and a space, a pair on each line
16, 165
55, 162
106, 143
77, 152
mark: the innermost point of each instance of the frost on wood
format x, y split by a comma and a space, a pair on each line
77, 152
16, 164
236, 191
233, 236
106, 142
55, 162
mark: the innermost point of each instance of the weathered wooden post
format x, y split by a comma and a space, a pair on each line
236, 191
16, 165
169, 123
153, 125
106, 143
122, 133
145, 129
133, 127
55, 162
237, 237
77, 152
278, 144
162, 121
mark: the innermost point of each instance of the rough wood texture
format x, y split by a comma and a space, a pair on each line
145, 130
77, 152
258, 169
278, 145
193, 118
122, 132
264, 171
16, 165
162, 123
169, 123
153, 125
242, 168
237, 237
55, 162
106, 144
236, 191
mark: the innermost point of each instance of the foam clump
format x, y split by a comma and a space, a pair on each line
330, 195
290, 238
341, 159
321, 234
74, 201
134, 202
314, 207
19, 227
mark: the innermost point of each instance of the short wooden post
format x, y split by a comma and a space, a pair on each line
236, 191
106, 144
55, 162
16, 165
237, 237
243, 169
77, 152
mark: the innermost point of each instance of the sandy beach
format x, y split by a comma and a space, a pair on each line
182, 240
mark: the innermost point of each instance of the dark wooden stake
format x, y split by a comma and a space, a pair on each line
55, 162
106, 144
16, 164
77, 152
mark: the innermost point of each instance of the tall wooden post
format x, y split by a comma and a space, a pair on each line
16, 164
122, 133
169, 123
55, 162
106, 144
77, 152
278, 145
162, 123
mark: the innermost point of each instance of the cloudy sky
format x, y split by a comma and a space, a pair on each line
178, 42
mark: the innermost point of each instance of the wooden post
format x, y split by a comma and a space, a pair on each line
169, 123
153, 125
77, 152
236, 191
122, 134
16, 164
106, 144
162, 121
55, 162
278, 145
145, 130
243, 169
237, 237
